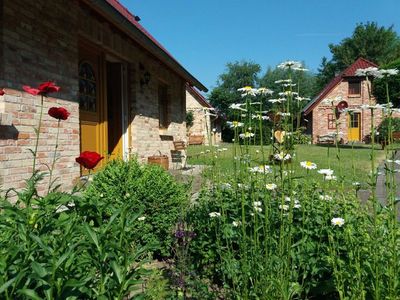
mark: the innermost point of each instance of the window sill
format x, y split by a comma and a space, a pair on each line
354, 96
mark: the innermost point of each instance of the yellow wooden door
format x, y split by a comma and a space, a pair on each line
91, 108
354, 127
114, 110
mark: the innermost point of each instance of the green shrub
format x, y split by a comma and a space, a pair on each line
145, 188
379, 86
49, 250
383, 128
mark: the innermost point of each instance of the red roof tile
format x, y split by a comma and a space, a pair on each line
131, 18
360, 63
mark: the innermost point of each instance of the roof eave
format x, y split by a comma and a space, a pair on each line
116, 17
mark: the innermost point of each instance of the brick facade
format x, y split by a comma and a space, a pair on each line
40, 44
321, 111
204, 116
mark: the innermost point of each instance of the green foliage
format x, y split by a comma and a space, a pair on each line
189, 119
393, 82
305, 81
288, 253
237, 75
383, 128
50, 250
145, 188
376, 43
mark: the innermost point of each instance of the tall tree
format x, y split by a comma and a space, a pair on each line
305, 81
376, 43
236, 75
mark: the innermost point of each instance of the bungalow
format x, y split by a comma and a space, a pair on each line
124, 90
206, 127
344, 91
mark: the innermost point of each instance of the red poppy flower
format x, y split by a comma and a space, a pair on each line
88, 159
59, 113
48, 87
30, 90
43, 89
2, 92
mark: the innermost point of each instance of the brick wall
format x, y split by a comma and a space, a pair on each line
201, 120
146, 137
321, 111
41, 43
37, 46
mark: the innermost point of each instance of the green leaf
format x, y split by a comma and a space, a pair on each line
92, 236
39, 269
117, 270
31, 294
41, 244
7, 284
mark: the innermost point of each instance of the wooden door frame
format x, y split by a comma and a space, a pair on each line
125, 134
88, 49
359, 125
103, 56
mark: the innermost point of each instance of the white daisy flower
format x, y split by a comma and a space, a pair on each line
330, 177
370, 71
235, 124
246, 135
247, 91
264, 91
325, 172
261, 169
325, 197
236, 223
284, 207
142, 218
271, 186
257, 204
337, 222
214, 214
282, 156
308, 165
290, 64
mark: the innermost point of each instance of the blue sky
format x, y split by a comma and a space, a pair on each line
203, 35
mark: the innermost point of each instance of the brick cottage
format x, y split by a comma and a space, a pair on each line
206, 126
345, 90
125, 92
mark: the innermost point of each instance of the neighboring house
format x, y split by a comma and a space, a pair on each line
125, 92
206, 126
345, 90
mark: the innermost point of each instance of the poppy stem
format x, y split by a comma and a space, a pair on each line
37, 136
54, 157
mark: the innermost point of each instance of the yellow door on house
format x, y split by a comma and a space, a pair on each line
354, 127
91, 112
100, 105
114, 110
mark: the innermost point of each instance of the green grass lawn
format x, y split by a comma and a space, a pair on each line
354, 163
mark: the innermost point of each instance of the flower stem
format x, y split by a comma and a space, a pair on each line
37, 136
54, 157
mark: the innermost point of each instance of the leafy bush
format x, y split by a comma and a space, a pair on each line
189, 119
50, 250
379, 86
383, 128
249, 251
145, 188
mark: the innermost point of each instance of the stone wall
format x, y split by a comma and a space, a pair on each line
321, 111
